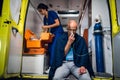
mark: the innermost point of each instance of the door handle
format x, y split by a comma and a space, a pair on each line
7, 22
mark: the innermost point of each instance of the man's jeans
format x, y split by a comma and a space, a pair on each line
68, 67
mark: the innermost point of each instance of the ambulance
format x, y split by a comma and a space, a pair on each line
24, 45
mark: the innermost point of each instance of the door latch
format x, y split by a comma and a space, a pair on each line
7, 22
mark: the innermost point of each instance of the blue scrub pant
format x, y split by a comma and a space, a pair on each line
51, 48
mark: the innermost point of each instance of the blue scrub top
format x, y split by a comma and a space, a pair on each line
52, 15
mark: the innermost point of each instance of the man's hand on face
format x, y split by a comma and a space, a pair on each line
71, 38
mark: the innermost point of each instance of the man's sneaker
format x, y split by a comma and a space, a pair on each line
47, 71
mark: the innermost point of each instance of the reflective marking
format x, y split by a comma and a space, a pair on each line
0, 45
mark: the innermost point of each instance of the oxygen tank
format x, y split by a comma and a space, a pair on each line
98, 35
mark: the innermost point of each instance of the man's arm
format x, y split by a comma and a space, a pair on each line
84, 56
71, 39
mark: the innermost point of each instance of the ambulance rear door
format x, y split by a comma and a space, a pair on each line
12, 19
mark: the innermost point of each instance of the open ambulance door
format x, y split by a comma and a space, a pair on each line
12, 18
115, 22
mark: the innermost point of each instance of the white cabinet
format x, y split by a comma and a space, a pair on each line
34, 64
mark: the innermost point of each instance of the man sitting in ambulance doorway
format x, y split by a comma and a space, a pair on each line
71, 56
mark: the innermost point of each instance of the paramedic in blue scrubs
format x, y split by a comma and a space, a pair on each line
51, 23
71, 56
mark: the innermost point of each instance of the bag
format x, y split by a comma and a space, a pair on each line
46, 37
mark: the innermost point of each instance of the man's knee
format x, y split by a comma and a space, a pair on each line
57, 78
85, 77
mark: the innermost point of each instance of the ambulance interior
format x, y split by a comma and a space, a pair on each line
36, 41
67, 9
35, 59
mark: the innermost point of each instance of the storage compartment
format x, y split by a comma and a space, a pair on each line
34, 64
